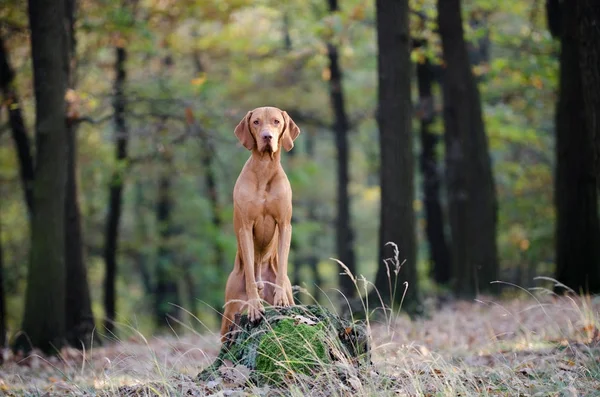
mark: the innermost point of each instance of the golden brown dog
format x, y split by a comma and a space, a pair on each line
262, 214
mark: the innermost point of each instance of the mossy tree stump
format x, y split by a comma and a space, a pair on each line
288, 341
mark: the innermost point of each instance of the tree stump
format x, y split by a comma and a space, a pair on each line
289, 341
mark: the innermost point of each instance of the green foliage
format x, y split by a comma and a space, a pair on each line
220, 58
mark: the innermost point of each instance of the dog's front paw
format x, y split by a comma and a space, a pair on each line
281, 298
255, 310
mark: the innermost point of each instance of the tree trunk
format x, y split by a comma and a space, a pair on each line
166, 291
576, 199
434, 215
140, 257
312, 259
588, 21
2, 304
397, 218
207, 160
344, 233
17, 127
79, 317
213, 196
115, 204
210, 181
44, 317
554, 17
471, 192
79, 320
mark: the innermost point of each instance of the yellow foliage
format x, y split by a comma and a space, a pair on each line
537, 82
417, 205
371, 194
199, 81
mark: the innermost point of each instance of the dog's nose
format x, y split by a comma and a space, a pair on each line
267, 136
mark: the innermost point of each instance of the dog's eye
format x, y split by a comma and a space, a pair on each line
255, 122
276, 121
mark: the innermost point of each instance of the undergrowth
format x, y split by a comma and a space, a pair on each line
538, 344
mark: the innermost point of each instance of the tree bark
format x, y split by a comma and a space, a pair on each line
207, 160
576, 194
441, 265
2, 304
17, 127
141, 258
312, 259
588, 21
115, 204
79, 320
166, 290
397, 218
79, 317
554, 17
44, 317
471, 190
213, 196
344, 233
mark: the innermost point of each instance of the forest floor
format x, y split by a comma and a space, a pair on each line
494, 347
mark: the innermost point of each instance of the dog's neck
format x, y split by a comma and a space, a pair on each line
265, 162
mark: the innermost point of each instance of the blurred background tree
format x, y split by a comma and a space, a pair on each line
153, 88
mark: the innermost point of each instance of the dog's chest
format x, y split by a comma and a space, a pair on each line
267, 203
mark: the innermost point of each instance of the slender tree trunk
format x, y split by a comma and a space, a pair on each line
141, 258
344, 233
213, 196
191, 287
397, 218
2, 304
471, 190
434, 215
79, 320
166, 290
207, 161
44, 317
296, 268
17, 127
312, 260
588, 21
115, 191
210, 179
576, 194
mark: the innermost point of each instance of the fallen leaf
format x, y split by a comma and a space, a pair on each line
303, 320
214, 383
354, 382
235, 376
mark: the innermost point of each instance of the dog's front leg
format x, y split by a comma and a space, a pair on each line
255, 306
282, 295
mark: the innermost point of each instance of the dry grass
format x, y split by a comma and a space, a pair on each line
545, 346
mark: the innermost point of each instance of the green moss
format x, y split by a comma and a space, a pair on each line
296, 339
291, 348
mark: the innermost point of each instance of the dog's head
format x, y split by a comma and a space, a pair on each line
266, 129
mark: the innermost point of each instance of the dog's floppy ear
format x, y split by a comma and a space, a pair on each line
290, 132
242, 131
